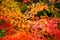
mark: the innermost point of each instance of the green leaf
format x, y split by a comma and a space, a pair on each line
42, 13
2, 33
23, 8
58, 14
57, 5
23, 28
45, 13
52, 14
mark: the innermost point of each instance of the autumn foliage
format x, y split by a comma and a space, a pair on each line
30, 20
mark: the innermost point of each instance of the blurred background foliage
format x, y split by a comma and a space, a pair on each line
22, 10
28, 5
